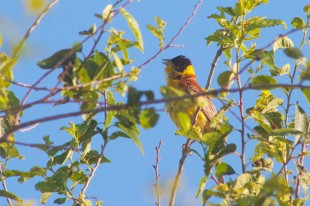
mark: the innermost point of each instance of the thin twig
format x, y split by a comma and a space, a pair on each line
214, 63
144, 103
33, 26
156, 185
170, 44
176, 181
93, 170
2, 168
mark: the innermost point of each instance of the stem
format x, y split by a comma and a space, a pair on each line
214, 63
176, 181
242, 157
33, 26
93, 170
156, 185
2, 168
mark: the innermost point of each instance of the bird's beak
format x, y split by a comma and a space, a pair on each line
167, 62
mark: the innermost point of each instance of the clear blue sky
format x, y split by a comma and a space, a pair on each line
129, 179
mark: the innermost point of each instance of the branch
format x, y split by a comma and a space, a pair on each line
214, 63
33, 26
185, 151
144, 103
170, 44
156, 185
93, 170
2, 168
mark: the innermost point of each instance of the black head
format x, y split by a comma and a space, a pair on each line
180, 63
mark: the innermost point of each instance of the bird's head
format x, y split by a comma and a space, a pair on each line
179, 66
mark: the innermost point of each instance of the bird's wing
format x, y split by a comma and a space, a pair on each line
209, 109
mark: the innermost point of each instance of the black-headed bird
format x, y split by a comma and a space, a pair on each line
180, 76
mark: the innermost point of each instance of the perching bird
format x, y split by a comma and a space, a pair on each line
180, 75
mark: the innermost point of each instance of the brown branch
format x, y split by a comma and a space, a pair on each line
63, 60
33, 26
185, 151
144, 103
213, 65
170, 44
93, 170
156, 185
41, 145
2, 169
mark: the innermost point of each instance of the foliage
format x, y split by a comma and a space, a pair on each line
97, 80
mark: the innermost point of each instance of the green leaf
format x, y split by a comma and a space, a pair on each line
90, 31
60, 201
92, 157
282, 42
298, 23
224, 169
99, 67
225, 79
58, 59
148, 118
201, 186
134, 26
285, 131
134, 74
307, 8
55, 183
306, 93
6, 70
184, 121
133, 96
158, 31
262, 120
293, 52
285, 69
10, 195
127, 124
264, 82
227, 10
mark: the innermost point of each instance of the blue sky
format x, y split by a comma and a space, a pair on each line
129, 178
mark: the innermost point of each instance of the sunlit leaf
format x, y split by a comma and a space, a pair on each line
44, 197
107, 13
184, 121
134, 26
118, 62
285, 69
301, 120
282, 42
201, 186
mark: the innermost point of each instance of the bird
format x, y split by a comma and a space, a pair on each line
180, 76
